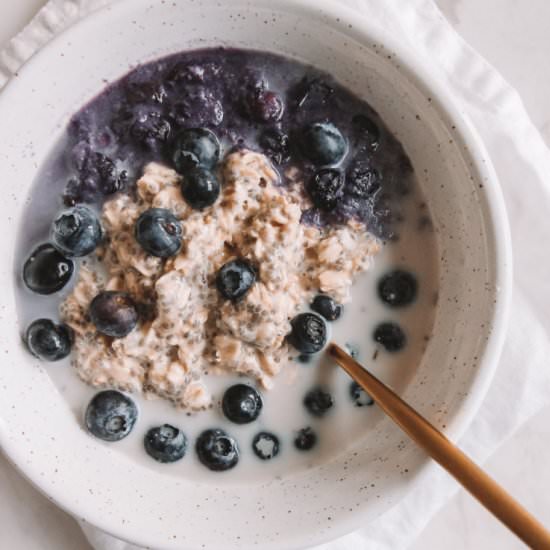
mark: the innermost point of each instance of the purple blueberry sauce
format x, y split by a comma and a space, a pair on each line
251, 99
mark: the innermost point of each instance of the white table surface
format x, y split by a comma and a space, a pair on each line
514, 36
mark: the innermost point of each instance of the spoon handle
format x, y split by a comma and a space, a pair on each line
467, 473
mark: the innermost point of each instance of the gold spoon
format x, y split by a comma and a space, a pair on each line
467, 473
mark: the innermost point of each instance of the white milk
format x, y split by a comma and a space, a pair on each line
283, 411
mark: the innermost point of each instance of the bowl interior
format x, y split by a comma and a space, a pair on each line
137, 503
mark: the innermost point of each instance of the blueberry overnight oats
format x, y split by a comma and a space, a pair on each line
214, 217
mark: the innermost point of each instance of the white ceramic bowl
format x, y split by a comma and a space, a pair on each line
97, 484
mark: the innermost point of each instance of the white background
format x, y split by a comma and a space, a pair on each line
514, 36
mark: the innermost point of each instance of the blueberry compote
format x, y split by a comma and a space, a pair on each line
188, 111
297, 115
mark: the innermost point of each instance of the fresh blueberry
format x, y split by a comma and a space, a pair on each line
359, 396
235, 279
275, 145
77, 231
113, 313
48, 341
217, 450
195, 147
264, 105
322, 143
159, 232
47, 270
265, 445
326, 188
241, 404
111, 415
318, 402
165, 443
327, 307
309, 333
150, 129
391, 336
200, 188
367, 130
362, 181
398, 288
305, 439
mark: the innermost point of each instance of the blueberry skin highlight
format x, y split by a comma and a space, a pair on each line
195, 147
48, 341
159, 232
235, 279
111, 415
309, 333
46, 270
113, 313
242, 404
76, 231
217, 450
166, 444
322, 143
200, 188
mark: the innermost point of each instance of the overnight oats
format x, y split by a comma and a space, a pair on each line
202, 229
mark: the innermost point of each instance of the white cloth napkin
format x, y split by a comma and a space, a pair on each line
522, 383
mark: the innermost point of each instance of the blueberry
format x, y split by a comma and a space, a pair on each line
305, 439
113, 313
97, 174
265, 445
47, 270
322, 144
195, 147
102, 171
275, 145
391, 336
217, 450
326, 188
264, 106
367, 130
235, 279
311, 93
165, 443
318, 402
159, 232
398, 288
150, 129
327, 307
309, 333
111, 415
359, 396
362, 181
48, 341
200, 188
241, 404
140, 87
77, 231
197, 106
186, 74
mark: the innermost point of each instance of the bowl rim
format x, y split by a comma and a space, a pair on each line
346, 20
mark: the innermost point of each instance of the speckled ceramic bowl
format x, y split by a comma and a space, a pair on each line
94, 482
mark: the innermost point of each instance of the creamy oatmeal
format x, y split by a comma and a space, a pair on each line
202, 229
192, 329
